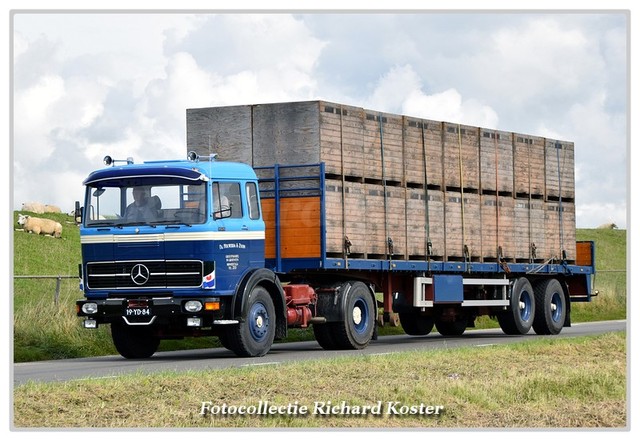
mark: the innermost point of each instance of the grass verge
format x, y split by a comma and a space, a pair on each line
549, 383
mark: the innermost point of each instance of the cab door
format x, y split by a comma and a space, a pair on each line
240, 236
254, 224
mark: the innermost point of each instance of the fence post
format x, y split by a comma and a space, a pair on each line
57, 297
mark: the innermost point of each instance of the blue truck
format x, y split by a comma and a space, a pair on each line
201, 247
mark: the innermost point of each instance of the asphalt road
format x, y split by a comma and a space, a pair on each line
207, 359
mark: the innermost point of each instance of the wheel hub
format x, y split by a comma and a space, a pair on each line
357, 315
259, 321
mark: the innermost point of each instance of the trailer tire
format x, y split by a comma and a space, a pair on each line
551, 307
254, 335
355, 330
416, 324
134, 341
452, 328
519, 316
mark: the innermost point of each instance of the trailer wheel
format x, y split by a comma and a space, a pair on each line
134, 341
324, 336
551, 307
254, 336
518, 318
356, 329
416, 324
452, 328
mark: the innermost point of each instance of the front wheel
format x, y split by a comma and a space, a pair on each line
134, 341
356, 328
254, 336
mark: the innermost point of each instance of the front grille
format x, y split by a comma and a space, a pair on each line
144, 274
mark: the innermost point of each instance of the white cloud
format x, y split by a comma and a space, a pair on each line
449, 106
393, 88
528, 64
231, 43
33, 110
400, 90
599, 213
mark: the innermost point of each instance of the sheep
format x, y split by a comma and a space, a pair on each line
609, 226
34, 207
52, 209
40, 226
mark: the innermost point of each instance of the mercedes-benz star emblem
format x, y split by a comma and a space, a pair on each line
140, 274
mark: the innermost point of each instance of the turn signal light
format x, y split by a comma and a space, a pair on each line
212, 306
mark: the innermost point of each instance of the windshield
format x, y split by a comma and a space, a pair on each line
146, 205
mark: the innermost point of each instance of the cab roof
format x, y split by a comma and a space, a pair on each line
171, 170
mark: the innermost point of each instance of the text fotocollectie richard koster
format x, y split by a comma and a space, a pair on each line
319, 408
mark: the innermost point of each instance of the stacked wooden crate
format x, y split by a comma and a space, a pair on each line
400, 187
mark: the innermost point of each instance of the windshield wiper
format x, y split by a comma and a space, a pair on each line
172, 222
105, 224
144, 224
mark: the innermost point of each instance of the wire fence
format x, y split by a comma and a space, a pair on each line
58, 280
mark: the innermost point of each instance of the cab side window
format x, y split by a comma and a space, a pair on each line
227, 201
253, 202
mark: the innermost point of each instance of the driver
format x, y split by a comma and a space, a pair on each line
142, 208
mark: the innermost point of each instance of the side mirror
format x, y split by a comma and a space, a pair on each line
77, 214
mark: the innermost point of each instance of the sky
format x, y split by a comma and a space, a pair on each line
86, 84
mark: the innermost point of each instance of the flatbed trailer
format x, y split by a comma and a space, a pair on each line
451, 294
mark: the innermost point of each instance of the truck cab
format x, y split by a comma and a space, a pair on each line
166, 246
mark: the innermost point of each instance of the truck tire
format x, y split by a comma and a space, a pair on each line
355, 330
551, 307
519, 316
225, 339
324, 336
416, 324
134, 341
254, 335
452, 328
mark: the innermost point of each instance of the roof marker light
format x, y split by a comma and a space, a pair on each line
193, 156
108, 160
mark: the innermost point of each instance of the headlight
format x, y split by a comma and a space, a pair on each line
193, 306
90, 308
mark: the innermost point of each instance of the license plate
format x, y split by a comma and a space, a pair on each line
137, 312
137, 308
